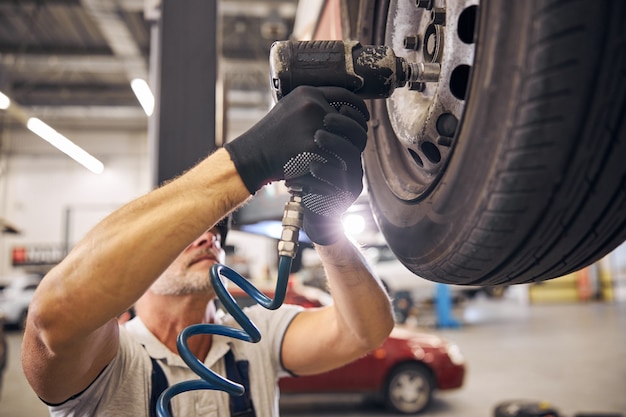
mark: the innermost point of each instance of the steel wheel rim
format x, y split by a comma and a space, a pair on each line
425, 117
409, 391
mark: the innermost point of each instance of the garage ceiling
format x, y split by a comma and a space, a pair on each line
69, 62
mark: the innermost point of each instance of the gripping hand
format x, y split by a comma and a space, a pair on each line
282, 144
313, 139
331, 185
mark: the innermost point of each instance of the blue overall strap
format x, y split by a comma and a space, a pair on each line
159, 384
239, 371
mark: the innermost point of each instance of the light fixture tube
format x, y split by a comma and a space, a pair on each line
144, 95
64, 145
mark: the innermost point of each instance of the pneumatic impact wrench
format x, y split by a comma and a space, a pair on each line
369, 71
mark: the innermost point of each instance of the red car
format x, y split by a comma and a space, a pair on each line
402, 373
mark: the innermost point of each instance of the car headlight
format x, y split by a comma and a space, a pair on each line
455, 354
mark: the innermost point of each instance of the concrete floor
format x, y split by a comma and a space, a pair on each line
573, 356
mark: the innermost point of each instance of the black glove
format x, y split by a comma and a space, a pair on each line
283, 144
331, 186
313, 138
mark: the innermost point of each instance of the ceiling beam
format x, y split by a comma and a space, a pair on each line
106, 15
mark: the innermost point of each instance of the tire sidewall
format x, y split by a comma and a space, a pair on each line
449, 211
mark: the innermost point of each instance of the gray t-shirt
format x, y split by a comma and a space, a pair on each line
124, 386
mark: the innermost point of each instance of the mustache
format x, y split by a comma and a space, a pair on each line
205, 254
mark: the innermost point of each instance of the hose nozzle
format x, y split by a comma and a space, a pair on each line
292, 223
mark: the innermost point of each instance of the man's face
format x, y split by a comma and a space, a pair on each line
189, 273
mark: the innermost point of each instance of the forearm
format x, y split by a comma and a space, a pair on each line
120, 258
362, 306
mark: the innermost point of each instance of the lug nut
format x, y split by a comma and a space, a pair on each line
438, 16
419, 87
424, 4
412, 42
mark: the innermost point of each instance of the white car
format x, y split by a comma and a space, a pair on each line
399, 280
396, 277
15, 297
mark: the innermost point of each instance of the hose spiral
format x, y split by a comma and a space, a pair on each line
292, 221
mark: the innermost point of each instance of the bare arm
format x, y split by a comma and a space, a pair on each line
71, 333
359, 320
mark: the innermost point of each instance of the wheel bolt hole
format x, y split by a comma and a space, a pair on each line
467, 24
416, 158
446, 124
459, 80
431, 151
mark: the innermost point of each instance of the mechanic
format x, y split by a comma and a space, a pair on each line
155, 253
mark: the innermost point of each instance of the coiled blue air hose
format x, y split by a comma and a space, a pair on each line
287, 247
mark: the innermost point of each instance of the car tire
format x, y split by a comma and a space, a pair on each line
409, 389
511, 167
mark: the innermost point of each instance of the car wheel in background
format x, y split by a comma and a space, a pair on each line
409, 389
510, 168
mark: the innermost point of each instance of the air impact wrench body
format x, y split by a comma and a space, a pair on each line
370, 71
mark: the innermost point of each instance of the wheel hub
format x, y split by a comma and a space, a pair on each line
425, 117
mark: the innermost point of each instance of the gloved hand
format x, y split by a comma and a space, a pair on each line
312, 138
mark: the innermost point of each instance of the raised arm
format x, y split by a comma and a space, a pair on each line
358, 321
361, 317
71, 333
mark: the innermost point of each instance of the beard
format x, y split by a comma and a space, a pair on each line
182, 283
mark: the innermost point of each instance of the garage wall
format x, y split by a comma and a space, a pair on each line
50, 197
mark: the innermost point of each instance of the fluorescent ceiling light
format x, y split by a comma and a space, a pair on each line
144, 94
64, 145
5, 101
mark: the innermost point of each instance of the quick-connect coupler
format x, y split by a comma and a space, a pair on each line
292, 223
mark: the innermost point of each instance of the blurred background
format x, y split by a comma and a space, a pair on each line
94, 99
